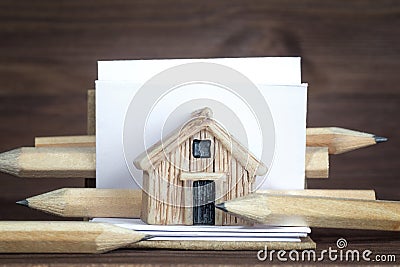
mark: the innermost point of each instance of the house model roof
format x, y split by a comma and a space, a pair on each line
201, 120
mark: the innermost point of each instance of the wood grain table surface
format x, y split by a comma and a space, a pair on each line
350, 57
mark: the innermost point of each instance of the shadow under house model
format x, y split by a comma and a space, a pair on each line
197, 165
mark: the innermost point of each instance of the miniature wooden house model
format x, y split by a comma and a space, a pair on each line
195, 167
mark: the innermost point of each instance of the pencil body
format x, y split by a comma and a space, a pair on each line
323, 212
340, 140
126, 203
74, 156
66, 141
91, 111
80, 162
63, 237
317, 162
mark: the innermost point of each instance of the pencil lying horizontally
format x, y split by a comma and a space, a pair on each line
337, 140
284, 210
340, 140
55, 162
80, 162
127, 203
64, 237
88, 202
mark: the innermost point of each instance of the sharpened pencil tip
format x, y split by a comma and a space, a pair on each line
221, 206
380, 139
147, 237
23, 203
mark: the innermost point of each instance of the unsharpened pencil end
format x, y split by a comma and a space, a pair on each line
380, 139
23, 203
221, 206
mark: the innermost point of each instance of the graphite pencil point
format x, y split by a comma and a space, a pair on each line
380, 139
147, 237
23, 203
221, 206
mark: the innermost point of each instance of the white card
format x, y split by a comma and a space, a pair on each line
123, 130
261, 70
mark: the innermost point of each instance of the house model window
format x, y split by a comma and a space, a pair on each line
201, 148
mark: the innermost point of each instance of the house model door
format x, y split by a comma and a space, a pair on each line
203, 202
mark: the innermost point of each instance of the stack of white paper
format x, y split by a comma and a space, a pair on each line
260, 233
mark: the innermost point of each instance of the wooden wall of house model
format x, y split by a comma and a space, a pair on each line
197, 165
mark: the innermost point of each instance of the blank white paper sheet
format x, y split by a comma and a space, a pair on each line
269, 117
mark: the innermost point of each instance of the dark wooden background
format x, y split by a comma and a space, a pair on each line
350, 57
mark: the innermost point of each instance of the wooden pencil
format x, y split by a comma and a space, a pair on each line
66, 141
340, 140
91, 127
64, 237
55, 162
88, 202
306, 243
284, 210
317, 162
91, 111
126, 203
80, 162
